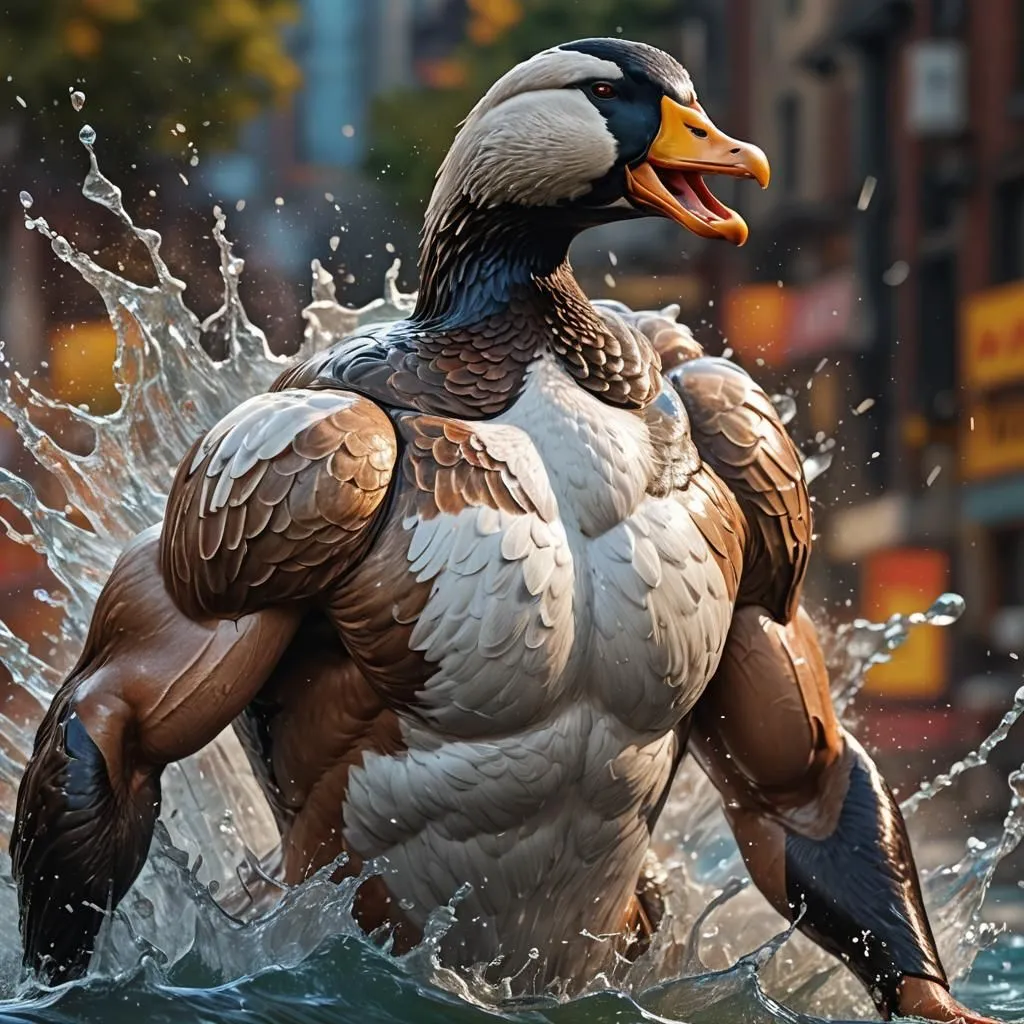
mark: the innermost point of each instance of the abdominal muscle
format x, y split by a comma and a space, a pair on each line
549, 828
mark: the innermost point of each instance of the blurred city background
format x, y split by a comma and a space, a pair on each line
882, 287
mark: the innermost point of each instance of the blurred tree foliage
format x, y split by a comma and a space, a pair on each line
412, 129
145, 66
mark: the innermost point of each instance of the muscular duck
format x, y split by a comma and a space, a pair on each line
469, 585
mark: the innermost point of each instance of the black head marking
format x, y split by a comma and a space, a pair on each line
633, 115
642, 63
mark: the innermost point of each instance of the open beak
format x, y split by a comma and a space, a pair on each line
670, 180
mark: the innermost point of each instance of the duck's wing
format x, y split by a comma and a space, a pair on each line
276, 502
739, 435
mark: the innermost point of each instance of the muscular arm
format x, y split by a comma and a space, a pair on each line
151, 687
816, 824
265, 513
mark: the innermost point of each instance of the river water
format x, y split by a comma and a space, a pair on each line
172, 952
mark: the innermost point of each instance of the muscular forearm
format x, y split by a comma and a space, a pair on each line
78, 844
842, 863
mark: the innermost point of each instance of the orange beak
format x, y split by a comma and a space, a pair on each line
670, 180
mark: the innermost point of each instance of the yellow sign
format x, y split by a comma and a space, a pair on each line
81, 365
992, 436
756, 322
992, 337
905, 580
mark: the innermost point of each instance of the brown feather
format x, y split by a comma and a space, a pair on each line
288, 507
741, 438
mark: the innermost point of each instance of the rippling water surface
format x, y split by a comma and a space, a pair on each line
173, 953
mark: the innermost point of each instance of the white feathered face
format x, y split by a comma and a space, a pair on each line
605, 128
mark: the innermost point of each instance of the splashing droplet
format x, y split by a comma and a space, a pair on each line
946, 610
87, 135
815, 465
896, 274
159, 364
78, 99
785, 406
26, 199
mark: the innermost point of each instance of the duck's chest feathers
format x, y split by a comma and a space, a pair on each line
599, 460
544, 557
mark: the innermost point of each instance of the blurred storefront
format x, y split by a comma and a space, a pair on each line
991, 456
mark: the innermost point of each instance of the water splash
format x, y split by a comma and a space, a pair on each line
721, 950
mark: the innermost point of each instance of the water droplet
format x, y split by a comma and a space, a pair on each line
61, 247
815, 465
21, 102
785, 406
87, 135
867, 190
946, 609
26, 199
335, 242
896, 274
78, 99
406, 904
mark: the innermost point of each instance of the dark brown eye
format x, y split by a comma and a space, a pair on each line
602, 90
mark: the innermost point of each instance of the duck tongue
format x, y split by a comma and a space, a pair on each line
689, 189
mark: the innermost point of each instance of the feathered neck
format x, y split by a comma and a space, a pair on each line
496, 292
475, 261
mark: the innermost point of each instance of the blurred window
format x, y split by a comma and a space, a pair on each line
947, 16
937, 199
937, 336
790, 141
1009, 232
1008, 565
335, 63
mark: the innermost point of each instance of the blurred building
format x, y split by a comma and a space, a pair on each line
883, 286
290, 161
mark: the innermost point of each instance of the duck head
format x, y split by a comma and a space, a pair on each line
586, 133
599, 130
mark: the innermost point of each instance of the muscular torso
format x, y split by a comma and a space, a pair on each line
537, 614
